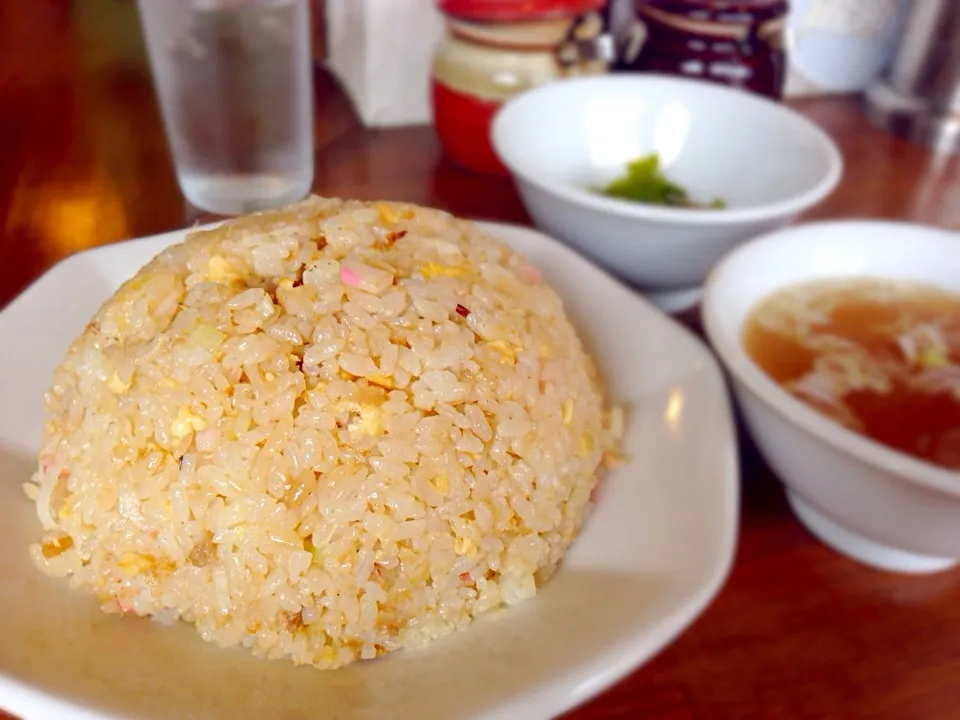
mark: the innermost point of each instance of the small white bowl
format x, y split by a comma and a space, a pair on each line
765, 161
872, 503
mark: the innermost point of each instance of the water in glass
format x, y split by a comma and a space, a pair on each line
235, 88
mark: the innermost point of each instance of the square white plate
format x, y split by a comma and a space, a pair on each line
654, 553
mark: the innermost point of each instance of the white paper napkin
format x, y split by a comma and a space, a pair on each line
381, 51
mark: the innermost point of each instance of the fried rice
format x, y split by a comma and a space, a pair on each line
324, 433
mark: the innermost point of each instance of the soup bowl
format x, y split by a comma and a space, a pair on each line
877, 505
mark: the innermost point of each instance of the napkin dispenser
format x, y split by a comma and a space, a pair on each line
381, 51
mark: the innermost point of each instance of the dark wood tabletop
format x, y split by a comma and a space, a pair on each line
797, 632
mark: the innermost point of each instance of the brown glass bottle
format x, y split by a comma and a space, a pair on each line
733, 42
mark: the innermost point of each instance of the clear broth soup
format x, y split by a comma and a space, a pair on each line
879, 357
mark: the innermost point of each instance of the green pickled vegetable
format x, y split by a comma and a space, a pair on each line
645, 183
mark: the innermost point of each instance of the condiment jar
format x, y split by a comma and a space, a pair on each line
495, 49
733, 42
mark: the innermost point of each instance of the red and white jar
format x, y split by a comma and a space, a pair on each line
496, 49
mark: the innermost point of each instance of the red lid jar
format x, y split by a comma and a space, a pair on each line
733, 42
495, 49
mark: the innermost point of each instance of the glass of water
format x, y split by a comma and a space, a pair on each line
235, 87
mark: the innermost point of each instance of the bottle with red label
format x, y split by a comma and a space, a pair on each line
496, 49
734, 42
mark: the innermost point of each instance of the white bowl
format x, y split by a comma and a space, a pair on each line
872, 503
560, 140
650, 558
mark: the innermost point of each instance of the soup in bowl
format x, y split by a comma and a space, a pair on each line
842, 340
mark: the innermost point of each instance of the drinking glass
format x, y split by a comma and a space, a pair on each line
235, 87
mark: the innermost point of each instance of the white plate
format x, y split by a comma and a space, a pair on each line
652, 556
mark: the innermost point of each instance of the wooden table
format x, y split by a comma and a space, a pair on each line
798, 632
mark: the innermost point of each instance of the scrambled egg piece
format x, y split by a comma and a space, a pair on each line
116, 385
506, 350
185, 423
220, 270
381, 380
370, 420
53, 547
586, 445
464, 546
387, 214
132, 564
441, 484
431, 270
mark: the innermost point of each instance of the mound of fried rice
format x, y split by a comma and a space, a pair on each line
324, 433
